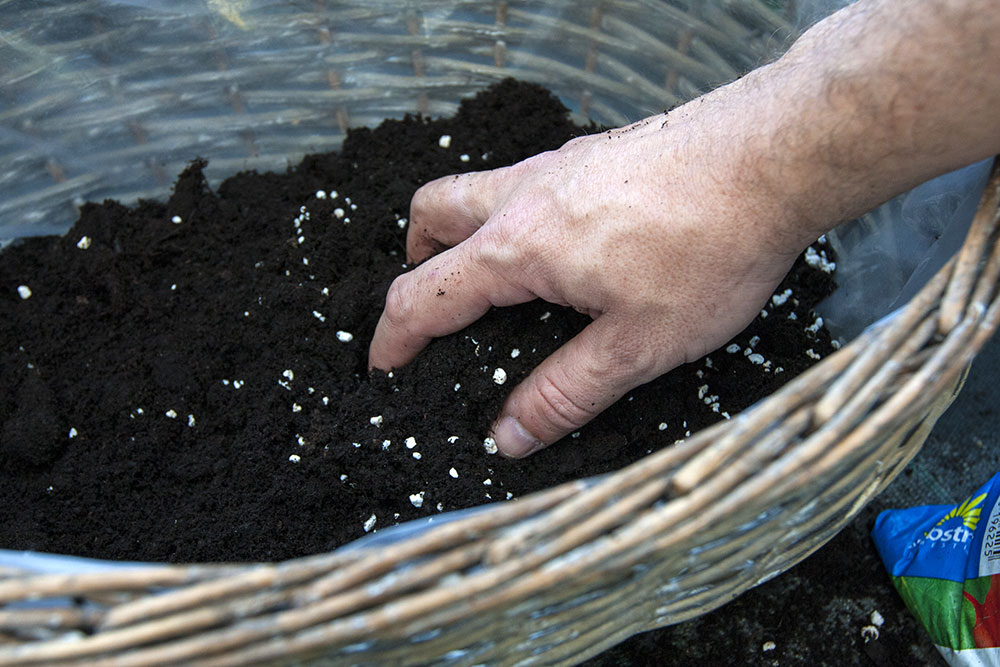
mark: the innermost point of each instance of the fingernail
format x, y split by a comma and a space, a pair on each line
513, 440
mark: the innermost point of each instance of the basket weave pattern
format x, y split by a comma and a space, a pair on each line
557, 576
105, 99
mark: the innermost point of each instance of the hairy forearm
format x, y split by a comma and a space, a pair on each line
875, 99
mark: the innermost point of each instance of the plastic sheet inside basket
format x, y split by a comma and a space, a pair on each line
111, 98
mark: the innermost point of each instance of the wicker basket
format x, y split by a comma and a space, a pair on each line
552, 578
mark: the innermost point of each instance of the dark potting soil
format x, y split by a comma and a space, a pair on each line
184, 387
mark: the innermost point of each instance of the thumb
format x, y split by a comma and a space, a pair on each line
574, 384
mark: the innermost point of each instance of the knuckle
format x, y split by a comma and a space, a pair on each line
491, 245
634, 357
516, 235
495, 250
503, 263
420, 205
559, 408
397, 303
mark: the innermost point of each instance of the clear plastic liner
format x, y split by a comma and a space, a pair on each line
111, 98
887, 255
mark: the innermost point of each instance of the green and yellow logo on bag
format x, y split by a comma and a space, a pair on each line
946, 530
969, 510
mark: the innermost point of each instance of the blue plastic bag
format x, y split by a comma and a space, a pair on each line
945, 563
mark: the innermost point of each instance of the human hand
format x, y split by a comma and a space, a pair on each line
634, 227
671, 233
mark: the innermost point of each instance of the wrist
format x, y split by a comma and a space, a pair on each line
756, 182
870, 102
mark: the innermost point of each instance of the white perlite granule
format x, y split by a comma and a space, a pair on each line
410, 442
376, 420
24, 291
453, 473
417, 499
819, 260
176, 220
345, 336
369, 523
490, 445
780, 299
294, 458
815, 326
171, 413
444, 141
499, 376
83, 243
73, 432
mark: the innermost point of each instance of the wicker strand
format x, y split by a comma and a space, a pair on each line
266, 576
953, 302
